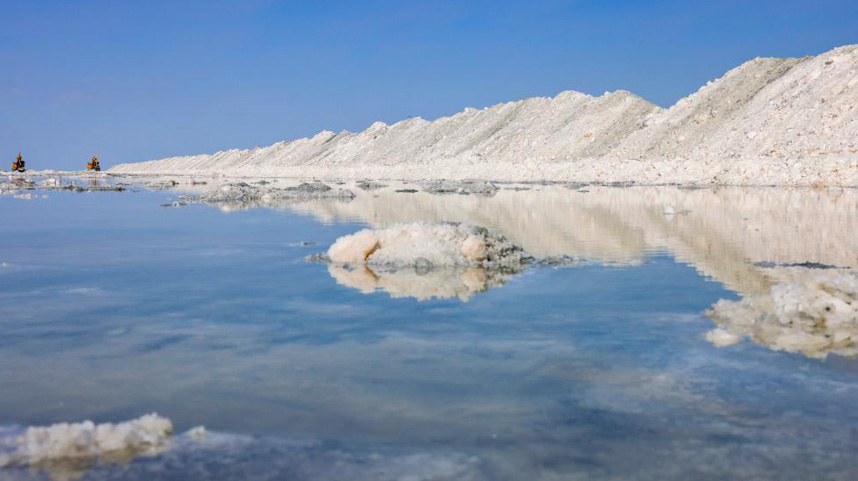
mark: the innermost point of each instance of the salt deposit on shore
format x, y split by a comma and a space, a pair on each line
770, 121
817, 315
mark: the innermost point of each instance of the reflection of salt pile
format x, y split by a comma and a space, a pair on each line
726, 234
816, 315
440, 283
68, 450
425, 260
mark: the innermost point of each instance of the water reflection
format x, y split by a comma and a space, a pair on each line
751, 240
586, 373
722, 232
435, 283
226, 456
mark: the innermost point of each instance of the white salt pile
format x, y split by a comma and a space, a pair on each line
426, 260
816, 316
147, 434
427, 245
770, 121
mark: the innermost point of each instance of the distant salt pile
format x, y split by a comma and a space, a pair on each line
815, 316
427, 245
769, 121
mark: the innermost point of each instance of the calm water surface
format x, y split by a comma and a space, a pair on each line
114, 306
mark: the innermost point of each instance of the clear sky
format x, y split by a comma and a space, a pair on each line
140, 80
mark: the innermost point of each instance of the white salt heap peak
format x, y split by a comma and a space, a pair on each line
815, 316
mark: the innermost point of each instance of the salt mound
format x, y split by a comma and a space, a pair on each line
430, 260
149, 434
427, 245
815, 316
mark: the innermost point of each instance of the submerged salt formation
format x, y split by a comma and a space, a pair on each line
817, 315
238, 196
790, 121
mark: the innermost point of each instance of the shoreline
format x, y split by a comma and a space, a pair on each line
334, 175
654, 173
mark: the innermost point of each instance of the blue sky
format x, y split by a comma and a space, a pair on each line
140, 80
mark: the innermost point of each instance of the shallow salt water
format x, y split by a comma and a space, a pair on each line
114, 306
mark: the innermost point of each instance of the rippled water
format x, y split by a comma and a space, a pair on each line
115, 306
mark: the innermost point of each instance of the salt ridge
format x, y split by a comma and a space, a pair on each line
787, 121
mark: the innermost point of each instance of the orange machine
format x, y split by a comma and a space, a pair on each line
93, 164
19, 164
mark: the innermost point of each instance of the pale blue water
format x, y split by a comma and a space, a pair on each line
113, 306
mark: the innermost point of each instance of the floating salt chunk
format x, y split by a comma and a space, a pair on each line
197, 434
816, 315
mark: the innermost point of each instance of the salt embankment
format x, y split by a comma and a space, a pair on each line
770, 121
816, 315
